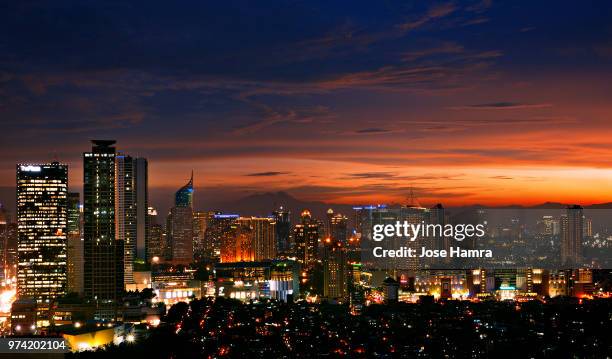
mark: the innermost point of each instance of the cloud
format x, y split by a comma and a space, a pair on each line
272, 117
266, 174
376, 175
502, 106
372, 131
433, 13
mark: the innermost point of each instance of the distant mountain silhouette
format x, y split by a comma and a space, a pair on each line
262, 204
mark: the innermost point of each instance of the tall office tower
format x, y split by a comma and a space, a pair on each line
306, 235
8, 245
74, 246
238, 246
413, 214
437, 240
283, 230
220, 231
338, 228
334, 269
131, 210
103, 254
201, 221
9, 237
571, 236
41, 221
263, 236
587, 227
181, 225
157, 242
156, 237
328, 223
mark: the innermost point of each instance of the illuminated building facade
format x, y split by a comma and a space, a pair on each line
219, 233
253, 280
180, 229
338, 228
201, 220
237, 245
74, 246
41, 219
263, 236
8, 243
283, 230
131, 210
334, 269
306, 236
103, 254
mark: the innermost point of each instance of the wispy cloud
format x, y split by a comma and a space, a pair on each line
502, 106
432, 14
266, 174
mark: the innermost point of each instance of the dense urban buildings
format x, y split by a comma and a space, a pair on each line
42, 204
103, 266
95, 281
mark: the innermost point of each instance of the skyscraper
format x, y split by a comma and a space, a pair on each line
306, 235
571, 236
41, 219
334, 269
74, 247
338, 228
221, 230
8, 243
237, 245
262, 236
283, 229
181, 225
131, 209
201, 221
103, 254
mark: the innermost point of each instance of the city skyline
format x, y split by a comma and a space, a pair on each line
472, 102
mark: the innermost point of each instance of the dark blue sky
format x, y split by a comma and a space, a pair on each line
340, 101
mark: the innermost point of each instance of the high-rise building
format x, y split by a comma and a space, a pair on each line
8, 244
74, 246
587, 227
41, 219
131, 210
219, 233
338, 228
201, 249
283, 229
180, 228
327, 226
103, 254
237, 245
157, 243
334, 269
571, 236
263, 236
306, 236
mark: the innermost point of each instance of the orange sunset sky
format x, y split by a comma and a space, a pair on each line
462, 102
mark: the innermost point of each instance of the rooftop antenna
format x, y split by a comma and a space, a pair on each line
412, 200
